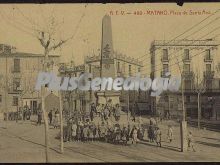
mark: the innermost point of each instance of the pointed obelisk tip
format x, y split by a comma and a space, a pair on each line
106, 16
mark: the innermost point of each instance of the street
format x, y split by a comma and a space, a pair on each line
24, 142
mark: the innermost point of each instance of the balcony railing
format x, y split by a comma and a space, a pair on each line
209, 74
14, 90
208, 59
15, 70
186, 59
187, 73
164, 59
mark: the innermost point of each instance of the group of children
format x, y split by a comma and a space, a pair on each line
89, 131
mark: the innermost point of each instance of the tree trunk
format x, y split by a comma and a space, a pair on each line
199, 111
46, 126
61, 123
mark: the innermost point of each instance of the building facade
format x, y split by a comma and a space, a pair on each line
18, 73
196, 61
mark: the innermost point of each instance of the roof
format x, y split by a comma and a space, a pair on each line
23, 54
206, 42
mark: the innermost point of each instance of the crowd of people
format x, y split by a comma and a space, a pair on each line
23, 113
108, 129
89, 131
105, 111
86, 129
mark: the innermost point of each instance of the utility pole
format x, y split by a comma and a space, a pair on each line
128, 107
6, 88
183, 124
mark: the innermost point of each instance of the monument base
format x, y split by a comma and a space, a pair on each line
104, 96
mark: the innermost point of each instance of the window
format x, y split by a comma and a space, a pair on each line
16, 65
165, 68
208, 67
15, 101
219, 84
188, 99
208, 55
1, 47
90, 68
16, 84
7, 49
187, 84
139, 69
118, 66
186, 54
0, 98
208, 84
165, 54
129, 67
152, 60
186, 68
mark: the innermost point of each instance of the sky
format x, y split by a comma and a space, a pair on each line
132, 34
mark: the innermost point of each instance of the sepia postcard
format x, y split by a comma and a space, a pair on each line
91, 83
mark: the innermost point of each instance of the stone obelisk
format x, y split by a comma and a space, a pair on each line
107, 61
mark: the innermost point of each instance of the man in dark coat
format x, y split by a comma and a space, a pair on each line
39, 117
50, 116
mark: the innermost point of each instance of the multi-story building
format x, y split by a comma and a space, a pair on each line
196, 62
106, 64
18, 74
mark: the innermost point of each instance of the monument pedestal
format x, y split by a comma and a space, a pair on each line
104, 96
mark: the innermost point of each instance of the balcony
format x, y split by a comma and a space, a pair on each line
209, 74
12, 90
164, 59
187, 74
186, 60
15, 70
208, 59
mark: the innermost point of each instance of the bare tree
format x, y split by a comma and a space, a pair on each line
49, 44
199, 87
47, 37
